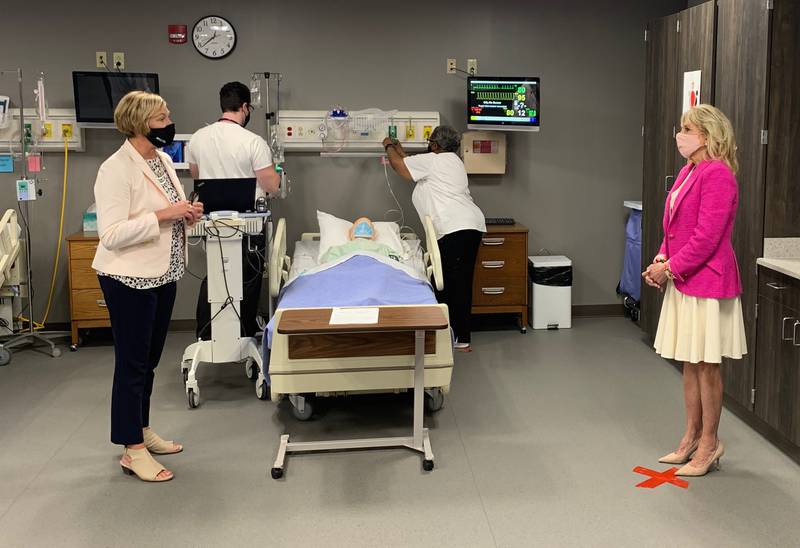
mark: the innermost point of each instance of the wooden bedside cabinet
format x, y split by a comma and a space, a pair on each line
86, 302
500, 285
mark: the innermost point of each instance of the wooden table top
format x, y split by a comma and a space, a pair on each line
83, 237
405, 318
516, 227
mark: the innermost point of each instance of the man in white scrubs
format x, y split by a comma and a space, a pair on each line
442, 192
226, 150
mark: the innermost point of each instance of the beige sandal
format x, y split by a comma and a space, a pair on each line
143, 465
157, 446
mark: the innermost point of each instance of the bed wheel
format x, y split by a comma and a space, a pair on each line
277, 473
262, 390
434, 399
427, 465
192, 398
251, 369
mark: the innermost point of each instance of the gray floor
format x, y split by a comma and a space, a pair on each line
535, 448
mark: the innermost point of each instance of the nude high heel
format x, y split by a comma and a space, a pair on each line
702, 470
142, 465
158, 446
681, 458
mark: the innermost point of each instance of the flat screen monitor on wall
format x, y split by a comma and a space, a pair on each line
503, 103
97, 93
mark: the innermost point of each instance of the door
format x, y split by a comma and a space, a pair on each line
659, 150
696, 28
778, 374
743, 28
783, 165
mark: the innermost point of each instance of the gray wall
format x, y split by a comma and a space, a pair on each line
566, 183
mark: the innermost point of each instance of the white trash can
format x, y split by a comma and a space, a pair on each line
550, 300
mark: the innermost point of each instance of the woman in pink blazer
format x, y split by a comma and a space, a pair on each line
142, 215
701, 318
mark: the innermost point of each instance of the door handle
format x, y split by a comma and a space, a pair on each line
493, 241
493, 264
795, 342
783, 328
776, 286
493, 290
102, 303
666, 182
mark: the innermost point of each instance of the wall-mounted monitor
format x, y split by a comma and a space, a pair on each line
503, 103
97, 94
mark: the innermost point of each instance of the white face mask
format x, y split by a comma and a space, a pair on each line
688, 144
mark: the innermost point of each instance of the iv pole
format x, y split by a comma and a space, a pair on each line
29, 336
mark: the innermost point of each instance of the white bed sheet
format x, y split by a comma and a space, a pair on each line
306, 253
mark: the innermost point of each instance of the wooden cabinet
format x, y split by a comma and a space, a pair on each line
86, 303
777, 380
500, 284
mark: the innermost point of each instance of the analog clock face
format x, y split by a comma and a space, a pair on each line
214, 37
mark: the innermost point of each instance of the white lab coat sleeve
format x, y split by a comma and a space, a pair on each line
112, 194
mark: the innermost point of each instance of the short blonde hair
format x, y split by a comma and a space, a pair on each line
718, 131
134, 110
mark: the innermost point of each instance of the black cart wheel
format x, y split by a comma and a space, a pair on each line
5, 356
277, 473
308, 410
427, 465
192, 398
251, 369
185, 376
262, 390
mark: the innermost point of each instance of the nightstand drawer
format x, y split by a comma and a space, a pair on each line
82, 250
499, 291
82, 275
490, 268
89, 304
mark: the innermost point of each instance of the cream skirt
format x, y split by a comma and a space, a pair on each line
696, 329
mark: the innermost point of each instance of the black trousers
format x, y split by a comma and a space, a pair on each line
252, 273
459, 251
139, 322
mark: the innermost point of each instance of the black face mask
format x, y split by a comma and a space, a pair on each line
430, 148
161, 136
246, 120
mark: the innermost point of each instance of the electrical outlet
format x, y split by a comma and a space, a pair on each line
66, 130
119, 60
47, 130
472, 66
451, 66
100, 59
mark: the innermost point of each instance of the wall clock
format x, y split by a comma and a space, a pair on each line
214, 37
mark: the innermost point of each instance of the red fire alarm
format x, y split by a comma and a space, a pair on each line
177, 34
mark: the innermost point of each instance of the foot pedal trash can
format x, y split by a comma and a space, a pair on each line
550, 291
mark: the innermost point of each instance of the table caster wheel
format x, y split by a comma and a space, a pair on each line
55, 352
277, 473
434, 400
262, 391
306, 413
427, 465
192, 398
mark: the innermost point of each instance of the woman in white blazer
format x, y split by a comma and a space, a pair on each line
142, 215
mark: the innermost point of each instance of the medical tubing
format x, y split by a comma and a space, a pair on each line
60, 238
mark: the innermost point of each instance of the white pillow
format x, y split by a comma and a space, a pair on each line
334, 231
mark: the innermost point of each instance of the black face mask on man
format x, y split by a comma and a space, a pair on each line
161, 136
246, 120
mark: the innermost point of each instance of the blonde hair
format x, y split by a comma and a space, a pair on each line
134, 110
718, 131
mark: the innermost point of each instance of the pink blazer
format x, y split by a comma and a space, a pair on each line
697, 234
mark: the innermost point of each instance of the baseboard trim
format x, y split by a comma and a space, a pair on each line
597, 310
767, 432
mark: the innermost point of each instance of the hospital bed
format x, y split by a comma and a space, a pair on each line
330, 365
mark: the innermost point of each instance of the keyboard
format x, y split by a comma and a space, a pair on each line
499, 221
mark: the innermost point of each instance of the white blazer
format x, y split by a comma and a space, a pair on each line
127, 194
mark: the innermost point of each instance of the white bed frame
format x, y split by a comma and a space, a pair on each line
361, 371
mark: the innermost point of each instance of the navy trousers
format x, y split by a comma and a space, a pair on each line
139, 321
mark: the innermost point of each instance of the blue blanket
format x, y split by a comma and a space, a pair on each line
358, 281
